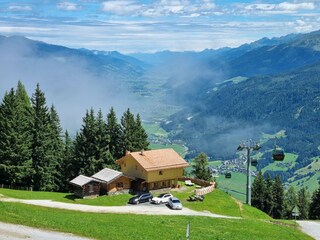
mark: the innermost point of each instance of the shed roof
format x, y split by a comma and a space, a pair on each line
153, 160
82, 180
107, 175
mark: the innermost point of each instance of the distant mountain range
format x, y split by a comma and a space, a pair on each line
267, 86
226, 95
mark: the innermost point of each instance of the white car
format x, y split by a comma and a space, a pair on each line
162, 198
175, 203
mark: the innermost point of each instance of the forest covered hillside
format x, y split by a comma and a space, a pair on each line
207, 101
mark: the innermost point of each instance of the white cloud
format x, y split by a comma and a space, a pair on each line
281, 8
121, 7
67, 6
19, 8
159, 8
296, 6
260, 7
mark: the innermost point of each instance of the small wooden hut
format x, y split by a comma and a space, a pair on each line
85, 187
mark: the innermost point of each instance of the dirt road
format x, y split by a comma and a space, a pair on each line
146, 208
18, 232
311, 228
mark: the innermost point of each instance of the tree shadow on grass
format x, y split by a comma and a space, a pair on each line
71, 197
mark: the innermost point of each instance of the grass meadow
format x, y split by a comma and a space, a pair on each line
130, 226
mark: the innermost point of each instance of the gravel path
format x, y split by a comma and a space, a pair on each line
145, 208
18, 232
310, 228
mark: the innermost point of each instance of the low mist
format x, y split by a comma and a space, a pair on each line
68, 83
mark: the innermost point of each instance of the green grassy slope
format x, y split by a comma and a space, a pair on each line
253, 225
116, 200
235, 186
126, 226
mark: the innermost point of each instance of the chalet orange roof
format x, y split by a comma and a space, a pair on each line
152, 160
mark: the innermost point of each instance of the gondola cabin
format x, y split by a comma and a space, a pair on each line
278, 154
227, 175
254, 162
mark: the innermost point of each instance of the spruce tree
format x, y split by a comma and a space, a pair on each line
8, 137
268, 200
303, 203
86, 146
67, 168
55, 150
15, 138
200, 167
43, 178
277, 193
103, 155
115, 133
128, 127
258, 192
24, 119
314, 212
141, 137
290, 201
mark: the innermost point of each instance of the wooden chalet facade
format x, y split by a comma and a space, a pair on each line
154, 169
112, 181
85, 187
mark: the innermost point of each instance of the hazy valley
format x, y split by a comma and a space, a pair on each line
207, 101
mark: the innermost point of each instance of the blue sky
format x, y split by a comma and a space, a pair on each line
149, 26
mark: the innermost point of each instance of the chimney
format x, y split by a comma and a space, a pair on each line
127, 152
142, 150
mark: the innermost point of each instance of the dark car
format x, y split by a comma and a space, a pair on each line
145, 197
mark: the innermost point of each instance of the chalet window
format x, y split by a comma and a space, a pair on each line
160, 173
119, 184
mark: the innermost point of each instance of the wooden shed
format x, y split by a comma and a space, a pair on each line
85, 187
112, 181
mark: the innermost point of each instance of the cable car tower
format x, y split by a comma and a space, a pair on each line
249, 146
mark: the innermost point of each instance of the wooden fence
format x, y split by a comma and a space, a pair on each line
207, 187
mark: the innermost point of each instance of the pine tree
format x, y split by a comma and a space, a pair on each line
314, 212
268, 200
290, 201
258, 192
86, 146
8, 137
15, 138
200, 167
55, 150
303, 203
141, 137
43, 178
114, 131
67, 168
128, 127
24, 169
277, 193
103, 155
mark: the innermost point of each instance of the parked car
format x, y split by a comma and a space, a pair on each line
145, 197
175, 203
162, 198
